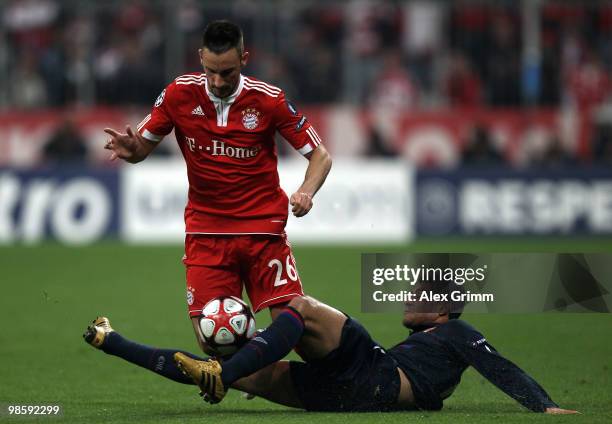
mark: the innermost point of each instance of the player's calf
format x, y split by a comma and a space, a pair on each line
102, 336
267, 347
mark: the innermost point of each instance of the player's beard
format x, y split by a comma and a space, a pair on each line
222, 92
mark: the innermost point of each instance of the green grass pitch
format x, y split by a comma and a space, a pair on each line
50, 293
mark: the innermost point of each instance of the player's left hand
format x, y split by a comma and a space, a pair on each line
560, 411
301, 202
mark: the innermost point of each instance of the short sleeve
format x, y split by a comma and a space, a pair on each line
295, 127
156, 125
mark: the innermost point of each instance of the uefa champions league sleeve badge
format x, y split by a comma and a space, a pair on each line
160, 98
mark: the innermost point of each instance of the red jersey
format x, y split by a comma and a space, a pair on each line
228, 145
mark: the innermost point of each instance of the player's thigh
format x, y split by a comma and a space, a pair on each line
272, 383
270, 272
205, 283
323, 326
212, 270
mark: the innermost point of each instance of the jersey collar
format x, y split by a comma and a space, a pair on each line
423, 329
229, 99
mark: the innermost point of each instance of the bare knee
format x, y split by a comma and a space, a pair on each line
304, 305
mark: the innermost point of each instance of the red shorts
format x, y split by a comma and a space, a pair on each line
222, 265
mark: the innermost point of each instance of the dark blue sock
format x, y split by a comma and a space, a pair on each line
160, 361
269, 346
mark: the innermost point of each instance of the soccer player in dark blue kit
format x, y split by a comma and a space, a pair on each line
344, 369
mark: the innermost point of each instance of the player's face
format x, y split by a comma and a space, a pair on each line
223, 70
420, 314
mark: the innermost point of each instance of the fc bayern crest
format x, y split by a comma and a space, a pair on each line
250, 118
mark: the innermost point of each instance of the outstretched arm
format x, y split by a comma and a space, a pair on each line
320, 163
509, 378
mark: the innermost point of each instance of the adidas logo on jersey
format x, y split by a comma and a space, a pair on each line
198, 111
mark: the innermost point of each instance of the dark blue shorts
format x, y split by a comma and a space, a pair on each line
357, 376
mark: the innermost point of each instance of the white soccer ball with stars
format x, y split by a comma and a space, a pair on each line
226, 323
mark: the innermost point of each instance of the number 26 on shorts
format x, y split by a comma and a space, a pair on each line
291, 270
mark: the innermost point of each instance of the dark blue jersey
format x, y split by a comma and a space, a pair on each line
434, 360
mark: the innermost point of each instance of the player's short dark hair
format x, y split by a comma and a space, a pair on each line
442, 286
221, 36
454, 308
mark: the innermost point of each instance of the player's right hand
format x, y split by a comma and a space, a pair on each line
123, 146
560, 411
301, 203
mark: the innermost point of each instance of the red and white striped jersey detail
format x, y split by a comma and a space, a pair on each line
146, 133
270, 90
143, 122
191, 76
266, 85
261, 89
313, 143
314, 137
191, 79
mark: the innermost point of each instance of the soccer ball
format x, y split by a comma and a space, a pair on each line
226, 323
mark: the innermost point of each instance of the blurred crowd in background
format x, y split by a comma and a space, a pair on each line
399, 56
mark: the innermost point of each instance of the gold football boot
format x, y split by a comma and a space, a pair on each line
97, 332
206, 374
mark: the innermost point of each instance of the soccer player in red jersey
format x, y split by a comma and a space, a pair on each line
236, 212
